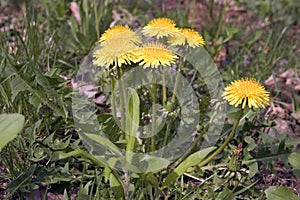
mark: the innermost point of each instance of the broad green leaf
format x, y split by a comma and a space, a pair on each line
59, 155
253, 169
132, 119
116, 186
10, 126
104, 142
280, 193
190, 161
16, 86
156, 164
294, 160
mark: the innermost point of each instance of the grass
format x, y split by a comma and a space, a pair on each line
40, 57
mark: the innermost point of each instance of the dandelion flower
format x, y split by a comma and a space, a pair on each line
119, 32
160, 27
187, 36
116, 52
246, 91
154, 54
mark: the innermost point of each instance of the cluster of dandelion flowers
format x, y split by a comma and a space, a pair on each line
154, 54
246, 91
118, 46
119, 32
160, 27
187, 36
116, 52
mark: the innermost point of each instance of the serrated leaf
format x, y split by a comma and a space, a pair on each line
294, 160
16, 86
253, 169
10, 126
190, 161
59, 155
280, 193
40, 95
22, 179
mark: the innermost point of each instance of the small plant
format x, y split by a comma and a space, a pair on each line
132, 65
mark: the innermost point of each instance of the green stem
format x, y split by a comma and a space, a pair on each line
176, 81
167, 133
164, 89
113, 103
154, 108
122, 98
227, 140
96, 19
220, 20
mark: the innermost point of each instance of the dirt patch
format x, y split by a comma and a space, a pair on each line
285, 106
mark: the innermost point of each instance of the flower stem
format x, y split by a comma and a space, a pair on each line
154, 108
122, 98
164, 89
113, 103
176, 81
227, 140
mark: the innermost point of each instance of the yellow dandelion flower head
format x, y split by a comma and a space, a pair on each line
187, 36
154, 54
116, 52
160, 27
246, 91
119, 32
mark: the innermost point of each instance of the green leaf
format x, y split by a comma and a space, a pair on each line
66, 197
16, 86
152, 179
24, 178
280, 193
132, 119
294, 160
10, 126
116, 186
40, 95
253, 169
103, 141
156, 164
43, 81
190, 161
248, 114
59, 155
